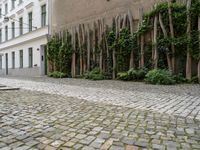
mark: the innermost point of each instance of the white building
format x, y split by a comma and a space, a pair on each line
23, 37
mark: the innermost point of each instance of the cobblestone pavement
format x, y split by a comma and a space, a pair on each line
180, 100
34, 120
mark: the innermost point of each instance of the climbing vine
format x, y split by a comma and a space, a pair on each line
167, 38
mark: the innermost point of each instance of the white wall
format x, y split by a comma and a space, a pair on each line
33, 39
36, 54
21, 10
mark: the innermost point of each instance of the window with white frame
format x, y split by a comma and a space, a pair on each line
6, 8
13, 60
0, 35
0, 62
30, 57
13, 29
0, 12
21, 59
30, 21
6, 33
21, 26
20, 1
13, 3
43, 15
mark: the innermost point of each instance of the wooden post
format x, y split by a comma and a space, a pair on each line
155, 43
114, 50
88, 47
73, 66
141, 40
130, 17
165, 36
189, 57
199, 49
172, 36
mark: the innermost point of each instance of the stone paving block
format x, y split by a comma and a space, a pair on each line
130, 147
117, 148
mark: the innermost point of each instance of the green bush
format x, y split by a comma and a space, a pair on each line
123, 76
141, 73
158, 76
95, 74
194, 80
57, 74
132, 75
180, 79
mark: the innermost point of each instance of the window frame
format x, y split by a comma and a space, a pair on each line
21, 26
21, 59
30, 21
13, 59
43, 15
30, 57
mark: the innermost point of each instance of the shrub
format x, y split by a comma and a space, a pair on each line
180, 79
132, 75
95, 74
123, 76
158, 76
57, 74
141, 73
194, 80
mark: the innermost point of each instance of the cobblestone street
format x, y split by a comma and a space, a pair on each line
33, 120
181, 100
107, 115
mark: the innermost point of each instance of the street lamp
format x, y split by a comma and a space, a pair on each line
6, 19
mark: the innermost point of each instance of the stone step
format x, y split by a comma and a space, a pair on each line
2, 86
8, 89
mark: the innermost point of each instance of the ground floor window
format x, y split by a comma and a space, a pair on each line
30, 55
0, 62
21, 58
13, 60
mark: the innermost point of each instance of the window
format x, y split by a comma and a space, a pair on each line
13, 60
0, 35
0, 13
13, 4
43, 15
30, 53
6, 8
30, 21
21, 59
20, 26
0, 62
13, 29
20, 1
6, 33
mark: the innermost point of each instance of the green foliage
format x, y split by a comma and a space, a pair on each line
194, 80
124, 76
161, 77
60, 48
57, 74
95, 74
122, 45
137, 75
132, 75
60, 52
180, 78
